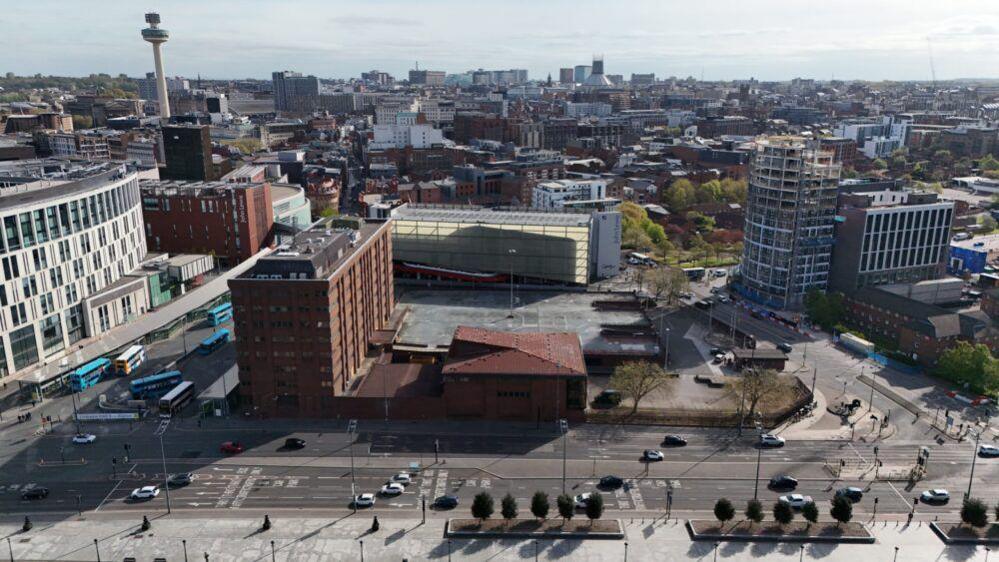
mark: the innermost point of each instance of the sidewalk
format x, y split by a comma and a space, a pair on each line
232, 539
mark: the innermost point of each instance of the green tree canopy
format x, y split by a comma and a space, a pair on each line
724, 511
880, 164
970, 364
637, 379
508, 507
842, 509
540, 505
825, 309
595, 506
783, 513
566, 506
810, 512
974, 512
482, 506
754, 511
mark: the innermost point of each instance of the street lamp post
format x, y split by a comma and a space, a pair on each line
896, 555
184, 542
759, 455
625, 551
511, 252
273, 559
10, 549
362, 550
802, 555
97, 548
667, 348
974, 457
351, 430
166, 481
564, 426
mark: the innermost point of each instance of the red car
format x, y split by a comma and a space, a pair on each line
232, 447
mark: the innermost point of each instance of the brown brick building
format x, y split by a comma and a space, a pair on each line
306, 314
231, 221
520, 376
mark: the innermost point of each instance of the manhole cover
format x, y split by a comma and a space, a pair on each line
190, 454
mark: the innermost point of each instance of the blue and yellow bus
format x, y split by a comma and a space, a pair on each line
213, 342
89, 374
220, 314
154, 386
127, 362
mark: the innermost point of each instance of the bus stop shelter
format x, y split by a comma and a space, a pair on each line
218, 399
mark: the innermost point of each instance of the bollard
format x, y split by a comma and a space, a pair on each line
27, 524
145, 523
267, 522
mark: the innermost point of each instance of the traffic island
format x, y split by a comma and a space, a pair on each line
959, 533
747, 531
533, 528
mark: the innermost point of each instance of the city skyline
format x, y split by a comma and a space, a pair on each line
891, 40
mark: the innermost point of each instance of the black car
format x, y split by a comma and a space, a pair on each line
608, 397
36, 493
783, 482
612, 482
674, 440
178, 480
446, 502
851, 493
294, 443
785, 347
716, 350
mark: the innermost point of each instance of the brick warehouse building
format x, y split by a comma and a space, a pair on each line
306, 314
231, 221
507, 375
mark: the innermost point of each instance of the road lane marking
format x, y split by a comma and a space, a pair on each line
98, 508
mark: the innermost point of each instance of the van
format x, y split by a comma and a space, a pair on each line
961, 236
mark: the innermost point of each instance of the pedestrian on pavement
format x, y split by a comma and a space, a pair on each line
374, 525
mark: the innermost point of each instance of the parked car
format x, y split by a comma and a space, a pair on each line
716, 350
232, 447
718, 359
612, 482
852, 493
988, 451
771, 440
36, 493
582, 499
674, 441
145, 493
393, 489
402, 478
178, 480
796, 501
364, 500
783, 482
652, 455
294, 443
84, 438
720, 273
935, 496
724, 299
785, 347
608, 397
446, 502
703, 304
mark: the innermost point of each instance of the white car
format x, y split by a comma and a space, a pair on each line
724, 299
796, 501
402, 478
988, 451
582, 499
145, 493
364, 500
935, 496
84, 438
771, 440
651, 455
393, 489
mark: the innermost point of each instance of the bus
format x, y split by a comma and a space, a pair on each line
126, 363
220, 314
635, 258
694, 273
154, 386
213, 342
90, 374
173, 401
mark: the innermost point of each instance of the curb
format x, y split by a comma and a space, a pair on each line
695, 536
448, 533
948, 540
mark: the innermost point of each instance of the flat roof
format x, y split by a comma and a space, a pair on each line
63, 184
435, 315
488, 216
280, 192
989, 242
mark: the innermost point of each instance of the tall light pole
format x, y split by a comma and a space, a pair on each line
759, 455
511, 252
667, 348
10, 549
351, 429
166, 481
564, 427
974, 457
97, 548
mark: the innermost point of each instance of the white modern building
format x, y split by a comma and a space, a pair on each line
71, 236
401, 136
436, 111
553, 194
587, 109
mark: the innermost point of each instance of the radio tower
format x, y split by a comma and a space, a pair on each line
153, 34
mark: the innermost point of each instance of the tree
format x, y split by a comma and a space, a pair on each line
783, 513
594, 507
566, 506
754, 511
82, 122
246, 145
540, 505
757, 388
724, 511
679, 196
842, 509
988, 223
666, 283
508, 507
974, 512
988, 163
880, 164
810, 512
637, 379
969, 364
825, 309
482, 506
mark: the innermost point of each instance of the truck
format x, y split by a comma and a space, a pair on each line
856, 344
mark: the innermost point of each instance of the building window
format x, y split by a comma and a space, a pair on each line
23, 347
74, 323
52, 334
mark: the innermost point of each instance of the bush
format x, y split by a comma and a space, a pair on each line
595, 506
974, 512
508, 507
540, 505
783, 513
482, 506
754, 511
810, 512
724, 511
842, 509
566, 506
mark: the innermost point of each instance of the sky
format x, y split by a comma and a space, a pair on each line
716, 39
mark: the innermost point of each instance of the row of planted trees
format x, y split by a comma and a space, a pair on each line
841, 510
483, 506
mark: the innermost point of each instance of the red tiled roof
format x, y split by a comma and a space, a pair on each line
481, 351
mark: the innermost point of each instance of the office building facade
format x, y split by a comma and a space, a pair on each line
188, 153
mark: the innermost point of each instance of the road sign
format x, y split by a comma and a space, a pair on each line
950, 421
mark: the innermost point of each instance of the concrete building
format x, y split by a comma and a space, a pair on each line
71, 235
294, 92
554, 194
973, 255
147, 86
888, 237
401, 136
188, 152
427, 77
565, 75
231, 221
790, 217
306, 315
580, 73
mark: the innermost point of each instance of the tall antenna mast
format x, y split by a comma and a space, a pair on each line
933, 72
